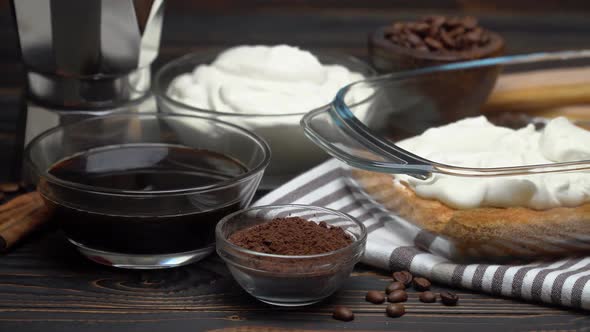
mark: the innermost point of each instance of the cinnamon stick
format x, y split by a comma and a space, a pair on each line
19, 217
17, 231
32, 197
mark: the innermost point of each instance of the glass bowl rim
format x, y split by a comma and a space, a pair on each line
161, 193
159, 89
354, 245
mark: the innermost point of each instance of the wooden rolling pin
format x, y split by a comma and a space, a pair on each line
544, 92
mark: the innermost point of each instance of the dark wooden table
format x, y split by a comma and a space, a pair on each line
45, 285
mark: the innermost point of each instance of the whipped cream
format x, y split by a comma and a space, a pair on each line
475, 142
262, 80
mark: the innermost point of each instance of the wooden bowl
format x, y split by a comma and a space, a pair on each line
448, 95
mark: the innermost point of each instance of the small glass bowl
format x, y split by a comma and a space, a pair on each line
145, 229
292, 152
289, 280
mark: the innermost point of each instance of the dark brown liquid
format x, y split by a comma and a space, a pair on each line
149, 168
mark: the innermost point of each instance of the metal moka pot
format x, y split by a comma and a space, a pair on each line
85, 58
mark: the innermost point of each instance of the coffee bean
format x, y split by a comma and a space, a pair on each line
438, 34
434, 18
395, 310
397, 28
469, 22
433, 43
447, 40
343, 314
404, 277
474, 35
421, 284
436, 23
397, 296
414, 39
427, 297
448, 298
421, 28
456, 31
396, 285
453, 22
9, 187
2, 196
375, 297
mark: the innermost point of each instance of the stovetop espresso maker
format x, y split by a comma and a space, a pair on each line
85, 58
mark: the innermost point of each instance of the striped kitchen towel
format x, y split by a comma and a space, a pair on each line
394, 244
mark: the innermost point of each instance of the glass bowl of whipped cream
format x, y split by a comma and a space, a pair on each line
266, 89
509, 181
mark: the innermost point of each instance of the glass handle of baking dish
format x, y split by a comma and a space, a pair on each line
326, 130
351, 142
388, 156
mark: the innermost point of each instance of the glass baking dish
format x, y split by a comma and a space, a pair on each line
473, 208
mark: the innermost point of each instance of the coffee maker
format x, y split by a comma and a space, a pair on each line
85, 58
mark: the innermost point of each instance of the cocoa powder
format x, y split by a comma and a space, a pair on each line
291, 236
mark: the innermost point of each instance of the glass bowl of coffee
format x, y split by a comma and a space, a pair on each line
290, 255
145, 191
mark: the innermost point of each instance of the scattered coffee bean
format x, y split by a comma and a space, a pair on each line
395, 310
404, 277
421, 284
343, 314
448, 298
397, 296
375, 297
396, 285
427, 297
9, 187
